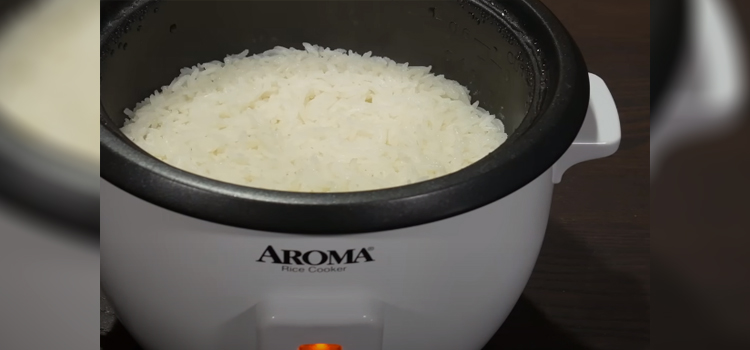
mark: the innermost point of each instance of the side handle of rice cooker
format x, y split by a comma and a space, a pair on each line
599, 136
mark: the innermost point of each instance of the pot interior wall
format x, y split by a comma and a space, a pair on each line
458, 39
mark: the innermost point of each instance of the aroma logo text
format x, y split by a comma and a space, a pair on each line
317, 260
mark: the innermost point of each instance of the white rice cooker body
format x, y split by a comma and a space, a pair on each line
177, 282
183, 283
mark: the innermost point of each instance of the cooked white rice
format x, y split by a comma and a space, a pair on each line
314, 120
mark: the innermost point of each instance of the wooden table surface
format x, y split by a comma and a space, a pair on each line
590, 288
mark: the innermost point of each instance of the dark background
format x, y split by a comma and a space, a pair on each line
590, 288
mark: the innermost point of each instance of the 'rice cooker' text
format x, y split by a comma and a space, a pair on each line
313, 269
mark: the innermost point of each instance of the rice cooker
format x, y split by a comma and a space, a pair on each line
698, 73
191, 263
49, 193
35, 167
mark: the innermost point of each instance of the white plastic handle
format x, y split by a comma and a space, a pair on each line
599, 136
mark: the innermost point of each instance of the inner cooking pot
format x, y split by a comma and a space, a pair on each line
514, 57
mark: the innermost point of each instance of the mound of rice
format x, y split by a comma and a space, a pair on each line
314, 120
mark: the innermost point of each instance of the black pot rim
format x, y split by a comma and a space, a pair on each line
527, 154
52, 189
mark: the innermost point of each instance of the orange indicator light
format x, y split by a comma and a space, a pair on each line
320, 347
